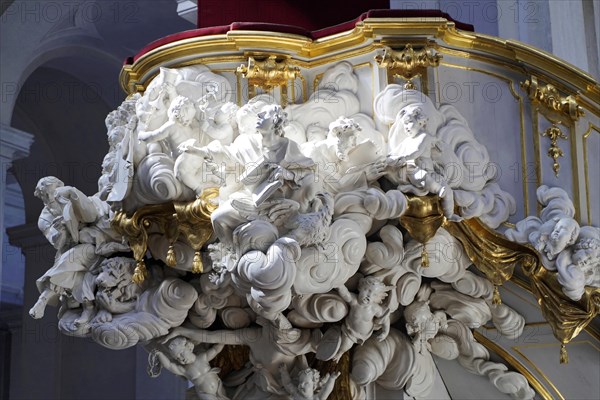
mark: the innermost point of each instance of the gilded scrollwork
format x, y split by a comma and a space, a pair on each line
408, 63
137, 227
565, 277
269, 73
550, 98
190, 221
301, 264
194, 223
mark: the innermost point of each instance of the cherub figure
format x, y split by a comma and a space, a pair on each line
116, 292
195, 367
422, 325
269, 348
579, 266
366, 315
310, 386
178, 129
555, 236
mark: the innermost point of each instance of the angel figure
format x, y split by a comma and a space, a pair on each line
579, 266
413, 153
422, 325
310, 385
178, 129
367, 314
269, 348
554, 236
195, 367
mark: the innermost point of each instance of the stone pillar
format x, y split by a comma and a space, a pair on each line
14, 144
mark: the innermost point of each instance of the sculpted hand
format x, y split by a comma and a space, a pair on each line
144, 136
395, 161
179, 331
376, 171
283, 210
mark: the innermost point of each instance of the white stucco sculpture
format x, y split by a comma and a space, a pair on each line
181, 359
307, 253
565, 247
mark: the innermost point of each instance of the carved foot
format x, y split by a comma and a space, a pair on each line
37, 311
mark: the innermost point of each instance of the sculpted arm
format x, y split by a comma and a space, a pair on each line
202, 336
214, 351
158, 134
327, 387
345, 294
168, 364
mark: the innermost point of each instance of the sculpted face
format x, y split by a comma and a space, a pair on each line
367, 295
413, 120
187, 113
181, 351
306, 385
270, 119
561, 236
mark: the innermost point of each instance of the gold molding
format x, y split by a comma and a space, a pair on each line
586, 172
364, 38
523, 140
539, 371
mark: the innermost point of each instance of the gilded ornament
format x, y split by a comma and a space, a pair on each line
549, 97
268, 74
408, 63
188, 221
135, 229
554, 152
491, 252
422, 219
566, 317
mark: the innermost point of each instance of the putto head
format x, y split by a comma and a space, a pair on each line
308, 381
182, 109
372, 290
182, 350
344, 127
